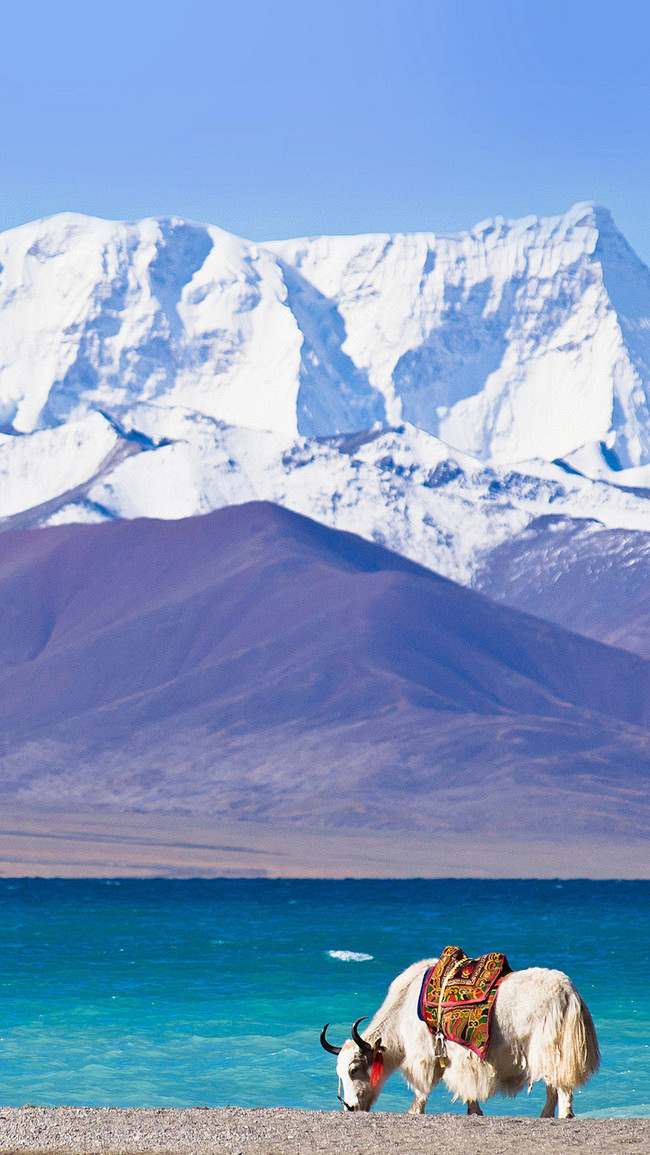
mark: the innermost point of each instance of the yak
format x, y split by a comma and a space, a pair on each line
541, 1030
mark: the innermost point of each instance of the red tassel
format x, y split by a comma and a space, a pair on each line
377, 1068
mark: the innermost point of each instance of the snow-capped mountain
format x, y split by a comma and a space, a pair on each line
477, 404
518, 339
515, 340
435, 394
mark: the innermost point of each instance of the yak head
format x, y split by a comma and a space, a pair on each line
360, 1068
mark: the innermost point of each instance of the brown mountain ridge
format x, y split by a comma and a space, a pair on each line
254, 664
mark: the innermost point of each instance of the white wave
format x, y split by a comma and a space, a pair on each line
350, 955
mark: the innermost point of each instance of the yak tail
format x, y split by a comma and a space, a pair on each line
578, 1053
563, 1049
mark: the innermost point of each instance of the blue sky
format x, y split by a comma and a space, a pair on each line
289, 118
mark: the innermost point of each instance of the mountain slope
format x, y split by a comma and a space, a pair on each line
255, 663
577, 574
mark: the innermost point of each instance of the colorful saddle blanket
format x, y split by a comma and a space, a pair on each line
457, 997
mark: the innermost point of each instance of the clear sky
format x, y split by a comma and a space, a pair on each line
304, 117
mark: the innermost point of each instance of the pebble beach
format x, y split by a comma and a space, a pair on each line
285, 1131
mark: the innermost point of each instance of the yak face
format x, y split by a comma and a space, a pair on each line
360, 1076
360, 1068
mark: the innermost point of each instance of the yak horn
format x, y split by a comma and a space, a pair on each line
328, 1046
362, 1044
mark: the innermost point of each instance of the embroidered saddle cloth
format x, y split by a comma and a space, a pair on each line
457, 996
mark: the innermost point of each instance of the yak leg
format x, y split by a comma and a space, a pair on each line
418, 1104
422, 1080
565, 1105
563, 1100
474, 1107
548, 1110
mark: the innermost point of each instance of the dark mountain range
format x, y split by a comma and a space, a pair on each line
253, 663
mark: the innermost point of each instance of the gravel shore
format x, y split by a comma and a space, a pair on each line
283, 1131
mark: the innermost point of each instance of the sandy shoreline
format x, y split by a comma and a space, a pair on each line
73, 842
285, 1131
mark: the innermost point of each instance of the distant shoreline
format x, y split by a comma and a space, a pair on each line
77, 842
286, 1131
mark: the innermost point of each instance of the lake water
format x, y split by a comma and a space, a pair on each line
208, 993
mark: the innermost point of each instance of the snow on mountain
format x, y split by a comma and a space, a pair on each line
97, 314
579, 574
399, 486
519, 339
36, 469
434, 394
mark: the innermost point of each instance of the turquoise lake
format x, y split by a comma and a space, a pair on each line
207, 993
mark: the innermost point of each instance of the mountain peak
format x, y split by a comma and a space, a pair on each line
517, 340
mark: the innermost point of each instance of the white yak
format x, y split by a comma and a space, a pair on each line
541, 1030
